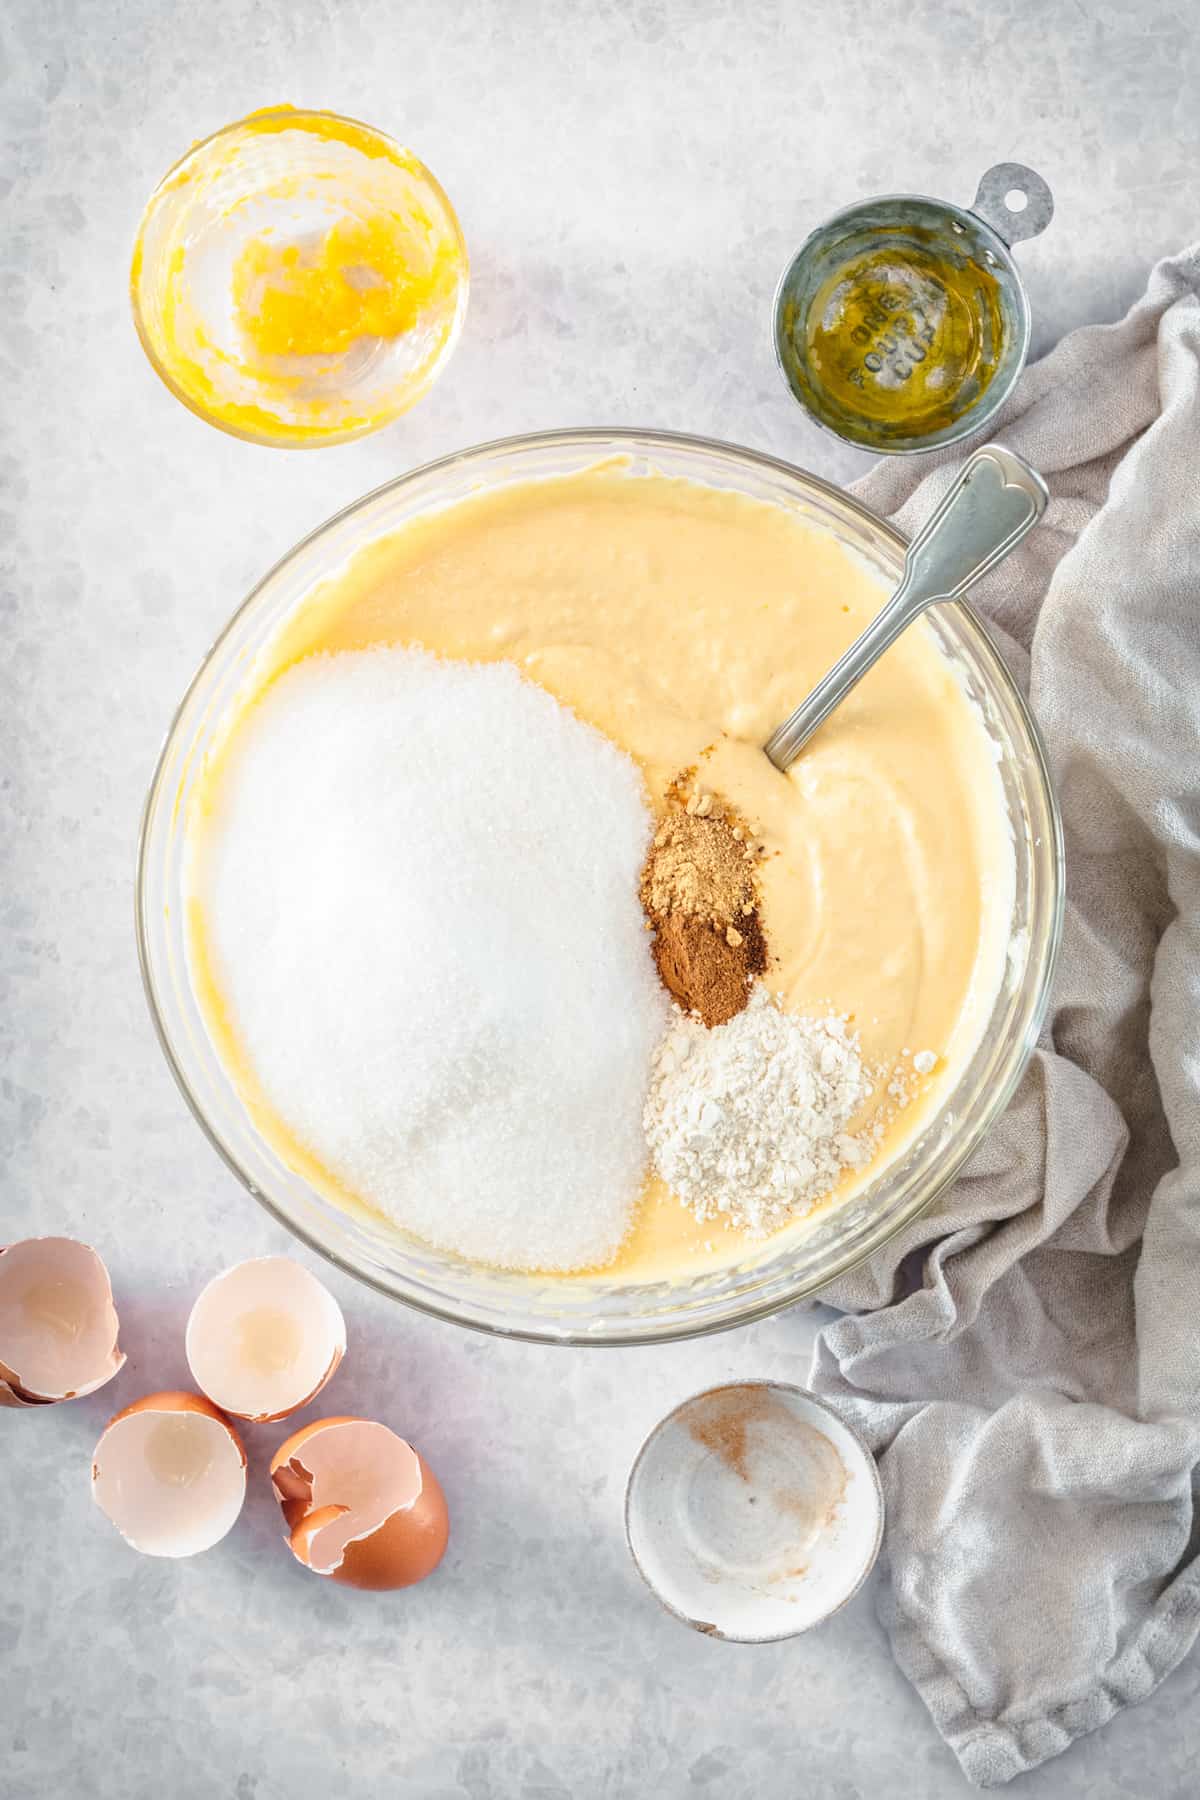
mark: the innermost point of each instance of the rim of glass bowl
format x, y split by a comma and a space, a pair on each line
579, 1310
273, 441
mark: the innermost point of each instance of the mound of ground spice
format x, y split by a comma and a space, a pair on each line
700, 897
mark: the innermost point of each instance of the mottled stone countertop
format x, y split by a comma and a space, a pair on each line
631, 176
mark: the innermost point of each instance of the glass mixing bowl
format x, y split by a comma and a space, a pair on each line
595, 1310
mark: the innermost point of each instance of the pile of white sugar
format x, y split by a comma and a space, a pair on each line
749, 1121
420, 890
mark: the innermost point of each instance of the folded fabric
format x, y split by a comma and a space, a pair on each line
1025, 1358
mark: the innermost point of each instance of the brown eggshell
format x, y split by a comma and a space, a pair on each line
403, 1520
10, 1391
75, 1351
293, 1484
178, 1400
307, 1529
163, 1507
218, 1359
407, 1547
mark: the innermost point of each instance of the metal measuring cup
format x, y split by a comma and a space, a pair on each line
1012, 203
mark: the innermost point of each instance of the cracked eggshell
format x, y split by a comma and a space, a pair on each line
361, 1506
58, 1324
170, 1473
263, 1338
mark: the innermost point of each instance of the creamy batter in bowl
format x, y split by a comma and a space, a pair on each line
627, 1303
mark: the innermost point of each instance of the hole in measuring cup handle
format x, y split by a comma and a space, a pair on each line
1013, 223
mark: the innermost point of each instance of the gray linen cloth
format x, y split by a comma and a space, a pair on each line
1026, 1357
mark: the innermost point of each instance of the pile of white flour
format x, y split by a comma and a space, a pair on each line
749, 1121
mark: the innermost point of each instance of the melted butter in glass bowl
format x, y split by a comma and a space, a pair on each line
299, 279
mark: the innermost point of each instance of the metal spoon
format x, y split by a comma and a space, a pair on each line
995, 499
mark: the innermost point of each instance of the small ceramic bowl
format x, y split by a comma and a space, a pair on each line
753, 1513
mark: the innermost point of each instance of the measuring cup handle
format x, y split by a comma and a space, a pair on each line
994, 500
1013, 224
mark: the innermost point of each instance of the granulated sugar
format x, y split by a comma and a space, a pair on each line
420, 890
749, 1120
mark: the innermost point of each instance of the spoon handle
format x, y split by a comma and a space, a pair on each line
993, 501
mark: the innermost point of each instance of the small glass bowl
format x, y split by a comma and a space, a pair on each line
596, 1309
284, 177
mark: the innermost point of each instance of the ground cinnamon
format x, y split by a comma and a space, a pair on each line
705, 973
701, 899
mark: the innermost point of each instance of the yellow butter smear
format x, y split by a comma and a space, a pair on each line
362, 281
299, 278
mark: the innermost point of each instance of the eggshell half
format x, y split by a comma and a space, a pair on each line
170, 1472
360, 1504
58, 1324
263, 1338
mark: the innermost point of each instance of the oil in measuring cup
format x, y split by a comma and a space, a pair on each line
903, 338
903, 323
